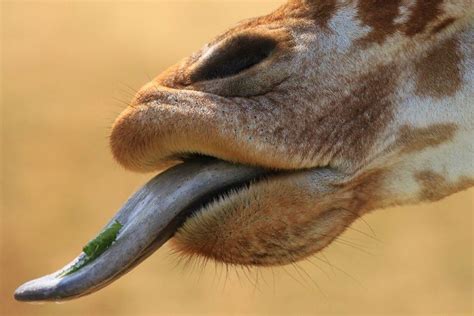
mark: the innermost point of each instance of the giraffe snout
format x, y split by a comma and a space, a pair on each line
162, 125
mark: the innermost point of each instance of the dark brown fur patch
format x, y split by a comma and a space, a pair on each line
444, 24
349, 127
412, 139
438, 74
423, 13
380, 16
434, 186
322, 10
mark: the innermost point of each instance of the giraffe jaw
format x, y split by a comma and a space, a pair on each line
149, 218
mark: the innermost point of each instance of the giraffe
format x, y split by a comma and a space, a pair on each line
292, 126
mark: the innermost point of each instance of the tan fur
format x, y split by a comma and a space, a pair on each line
335, 103
412, 140
434, 186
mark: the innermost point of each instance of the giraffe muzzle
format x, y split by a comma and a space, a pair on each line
149, 218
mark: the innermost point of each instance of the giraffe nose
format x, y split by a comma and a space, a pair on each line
160, 126
149, 92
137, 137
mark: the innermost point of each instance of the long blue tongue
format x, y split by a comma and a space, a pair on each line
147, 220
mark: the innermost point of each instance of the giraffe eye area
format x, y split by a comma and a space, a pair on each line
238, 54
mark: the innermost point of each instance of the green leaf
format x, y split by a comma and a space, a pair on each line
95, 247
98, 245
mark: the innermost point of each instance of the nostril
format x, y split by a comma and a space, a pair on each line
240, 53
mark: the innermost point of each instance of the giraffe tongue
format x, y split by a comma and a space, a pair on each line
149, 218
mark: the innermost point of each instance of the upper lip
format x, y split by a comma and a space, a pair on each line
149, 218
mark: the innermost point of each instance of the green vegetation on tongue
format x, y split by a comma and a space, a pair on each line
95, 247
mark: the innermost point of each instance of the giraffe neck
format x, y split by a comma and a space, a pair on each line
434, 122
430, 57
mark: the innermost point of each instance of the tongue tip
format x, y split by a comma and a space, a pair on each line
28, 292
46, 288
25, 293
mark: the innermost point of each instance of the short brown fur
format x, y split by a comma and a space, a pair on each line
425, 11
438, 73
412, 139
443, 25
434, 186
381, 20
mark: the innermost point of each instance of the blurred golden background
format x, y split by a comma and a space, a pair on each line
68, 68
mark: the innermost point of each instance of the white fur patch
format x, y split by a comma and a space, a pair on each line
347, 27
404, 12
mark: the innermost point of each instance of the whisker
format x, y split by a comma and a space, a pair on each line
247, 275
312, 280
362, 219
148, 76
341, 242
236, 271
318, 267
121, 101
220, 270
273, 278
132, 89
262, 275
127, 94
294, 265
256, 282
326, 260
364, 233
351, 242
291, 276
340, 270
226, 276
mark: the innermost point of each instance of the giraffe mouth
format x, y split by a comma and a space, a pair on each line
149, 218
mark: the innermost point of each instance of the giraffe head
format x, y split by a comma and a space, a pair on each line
346, 106
316, 84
